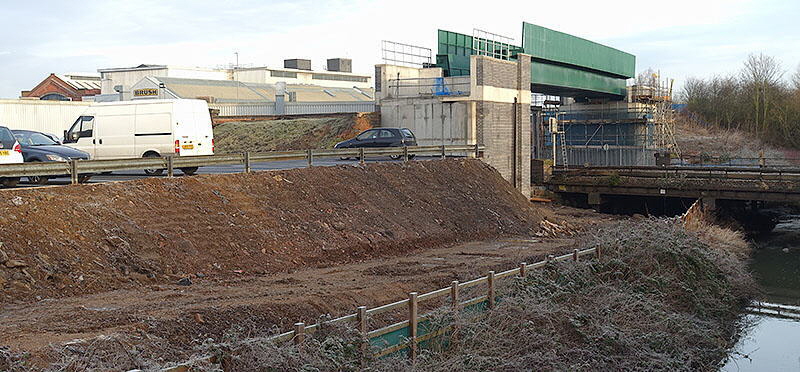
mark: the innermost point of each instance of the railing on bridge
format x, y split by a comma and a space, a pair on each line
454, 86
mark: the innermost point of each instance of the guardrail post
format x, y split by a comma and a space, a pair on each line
522, 268
551, 258
73, 171
361, 317
444, 152
310, 157
361, 155
597, 252
575, 255
477, 151
247, 165
490, 281
454, 294
299, 333
412, 324
405, 154
170, 169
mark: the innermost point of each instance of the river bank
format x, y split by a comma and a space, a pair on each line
772, 343
661, 297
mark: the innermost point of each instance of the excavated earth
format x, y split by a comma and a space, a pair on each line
187, 259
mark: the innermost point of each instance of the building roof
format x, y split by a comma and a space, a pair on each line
81, 81
230, 91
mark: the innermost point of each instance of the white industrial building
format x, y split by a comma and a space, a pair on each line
118, 83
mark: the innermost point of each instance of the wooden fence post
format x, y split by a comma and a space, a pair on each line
575, 255
247, 166
361, 317
522, 268
490, 281
412, 324
299, 333
454, 294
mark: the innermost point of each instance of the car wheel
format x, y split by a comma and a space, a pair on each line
189, 171
10, 181
83, 178
153, 172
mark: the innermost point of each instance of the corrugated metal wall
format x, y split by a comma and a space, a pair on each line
614, 156
292, 108
42, 116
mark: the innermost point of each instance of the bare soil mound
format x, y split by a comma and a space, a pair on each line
63, 241
289, 134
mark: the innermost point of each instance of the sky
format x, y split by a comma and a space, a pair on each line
680, 38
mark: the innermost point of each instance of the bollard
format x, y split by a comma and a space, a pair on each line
522, 268
490, 281
299, 333
247, 165
412, 324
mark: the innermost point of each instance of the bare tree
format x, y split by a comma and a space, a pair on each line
796, 78
647, 77
761, 77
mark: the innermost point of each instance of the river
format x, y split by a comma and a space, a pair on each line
773, 341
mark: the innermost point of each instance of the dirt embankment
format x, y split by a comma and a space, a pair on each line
290, 134
63, 241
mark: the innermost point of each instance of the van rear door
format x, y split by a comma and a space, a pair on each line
193, 131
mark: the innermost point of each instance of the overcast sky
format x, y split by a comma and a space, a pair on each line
679, 38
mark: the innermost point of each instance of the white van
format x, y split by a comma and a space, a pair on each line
147, 128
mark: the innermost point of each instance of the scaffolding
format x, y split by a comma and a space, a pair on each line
394, 53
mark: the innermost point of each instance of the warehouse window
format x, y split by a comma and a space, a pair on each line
283, 74
361, 79
54, 97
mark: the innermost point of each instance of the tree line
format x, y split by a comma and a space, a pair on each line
762, 99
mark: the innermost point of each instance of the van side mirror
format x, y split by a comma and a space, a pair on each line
74, 136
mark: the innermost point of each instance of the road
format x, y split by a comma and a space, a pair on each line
129, 175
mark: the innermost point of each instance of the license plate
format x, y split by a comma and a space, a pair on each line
187, 147
4, 152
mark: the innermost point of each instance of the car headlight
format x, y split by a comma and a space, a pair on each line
56, 158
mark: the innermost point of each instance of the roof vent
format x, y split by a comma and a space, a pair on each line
297, 64
340, 64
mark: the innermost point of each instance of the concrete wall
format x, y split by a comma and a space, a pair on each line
496, 113
433, 121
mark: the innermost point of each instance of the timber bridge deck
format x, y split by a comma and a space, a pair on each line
710, 183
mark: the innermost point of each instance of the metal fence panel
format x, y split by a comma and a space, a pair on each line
291, 108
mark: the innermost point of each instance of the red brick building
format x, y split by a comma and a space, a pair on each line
67, 87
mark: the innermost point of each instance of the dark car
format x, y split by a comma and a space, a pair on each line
40, 147
380, 137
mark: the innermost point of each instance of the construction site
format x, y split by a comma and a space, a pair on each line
456, 260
